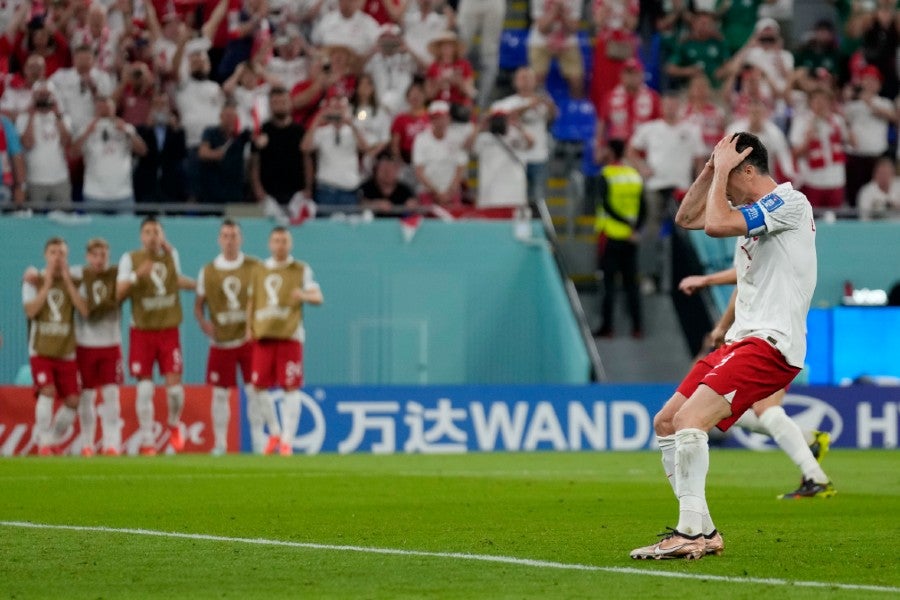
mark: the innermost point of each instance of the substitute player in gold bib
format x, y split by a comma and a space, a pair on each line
99, 354
151, 277
50, 306
222, 288
279, 287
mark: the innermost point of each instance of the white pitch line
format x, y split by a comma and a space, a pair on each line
509, 560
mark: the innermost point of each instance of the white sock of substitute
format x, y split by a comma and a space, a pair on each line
751, 422
691, 466
255, 418
667, 448
267, 410
221, 414
175, 398
110, 418
789, 438
143, 405
43, 418
87, 418
62, 421
290, 416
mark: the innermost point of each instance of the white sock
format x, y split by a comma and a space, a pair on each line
257, 423
143, 405
87, 418
751, 422
221, 414
110, 418
789, 438
667, 447
290, 416
175, 397
62, 421
267, 410
691, 466
43, 417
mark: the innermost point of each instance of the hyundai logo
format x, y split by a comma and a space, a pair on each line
811, 414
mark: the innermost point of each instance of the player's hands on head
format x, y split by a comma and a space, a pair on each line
726, 157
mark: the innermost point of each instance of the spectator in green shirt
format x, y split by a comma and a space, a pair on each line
703, 51
738, 19
819, 51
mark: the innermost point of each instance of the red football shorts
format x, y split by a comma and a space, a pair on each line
221, 367
58, 372
99, 366
747, 371
277, 363
154, 346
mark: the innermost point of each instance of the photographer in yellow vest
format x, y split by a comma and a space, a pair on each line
620, 214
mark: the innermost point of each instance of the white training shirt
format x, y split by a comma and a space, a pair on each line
501, 175
870, 131
96, 333
534, 120
108, 161
338, 156
440, 158
777, 269
199, 104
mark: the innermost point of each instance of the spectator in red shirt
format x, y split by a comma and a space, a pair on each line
333, 76
40, 36
134, 95
385, 11
628, 105
450, 77
615, 43
408, 125
703, 112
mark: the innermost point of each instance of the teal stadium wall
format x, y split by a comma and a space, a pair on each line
463, 302
866, 254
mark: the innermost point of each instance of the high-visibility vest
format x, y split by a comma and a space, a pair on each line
623, 190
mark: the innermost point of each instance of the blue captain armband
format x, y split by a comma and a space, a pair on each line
756, 220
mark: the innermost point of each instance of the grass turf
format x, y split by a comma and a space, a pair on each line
573, 508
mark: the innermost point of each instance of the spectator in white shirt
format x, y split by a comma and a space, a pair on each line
347, 26
289, 66
498, 144
439, 161
75, 88
880, 198
249, 87
868, 117
337, 142
392, 67
535, 111
46, 134
757, 122
199, 101
108, 144
17, 93
371, 119
673, 151
421, 25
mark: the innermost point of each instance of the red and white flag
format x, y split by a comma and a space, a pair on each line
409, 225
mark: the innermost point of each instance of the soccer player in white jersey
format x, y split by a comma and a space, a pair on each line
222, 290
805, 448
734, 195
98, 352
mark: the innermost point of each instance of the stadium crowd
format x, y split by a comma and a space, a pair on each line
114, 103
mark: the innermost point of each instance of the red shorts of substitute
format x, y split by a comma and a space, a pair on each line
277, 363
99, 366
154, 346
221, 367
58, 372
746, 371
824, 197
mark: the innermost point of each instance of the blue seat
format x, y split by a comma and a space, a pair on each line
513, 49
577, 121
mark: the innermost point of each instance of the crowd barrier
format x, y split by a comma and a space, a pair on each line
462, 419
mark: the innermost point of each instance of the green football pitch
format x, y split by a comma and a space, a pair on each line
541, 525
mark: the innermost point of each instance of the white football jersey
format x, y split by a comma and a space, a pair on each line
776, 269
